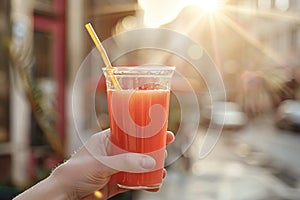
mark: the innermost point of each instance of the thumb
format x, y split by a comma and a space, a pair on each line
129, 162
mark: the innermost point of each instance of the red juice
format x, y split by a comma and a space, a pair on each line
130, 114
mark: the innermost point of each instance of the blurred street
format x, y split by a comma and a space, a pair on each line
256, 162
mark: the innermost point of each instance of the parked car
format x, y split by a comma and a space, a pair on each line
226, 114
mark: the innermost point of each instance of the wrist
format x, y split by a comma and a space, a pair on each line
46, 189
62, 184
60, 190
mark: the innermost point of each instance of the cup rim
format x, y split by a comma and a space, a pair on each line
141, 68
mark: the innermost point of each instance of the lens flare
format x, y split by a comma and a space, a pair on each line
98, 194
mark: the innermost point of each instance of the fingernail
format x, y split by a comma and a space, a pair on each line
147, 162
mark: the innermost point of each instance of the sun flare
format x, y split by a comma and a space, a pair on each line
211, 6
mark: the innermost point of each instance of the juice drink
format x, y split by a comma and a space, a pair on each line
150, 142
138, 114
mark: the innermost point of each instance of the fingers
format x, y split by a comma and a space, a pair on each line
121, 160
96, 150
153, 190
170, 137
157, 189
111, 189
164, 173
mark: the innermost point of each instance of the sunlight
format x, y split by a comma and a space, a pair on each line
216, 10
157, 12
215, 43
211, 6
252, 40
278, 15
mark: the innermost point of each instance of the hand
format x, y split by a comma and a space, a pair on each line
84, 174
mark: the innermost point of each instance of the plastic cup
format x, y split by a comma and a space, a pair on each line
138, 114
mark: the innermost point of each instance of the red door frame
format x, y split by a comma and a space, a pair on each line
56, 27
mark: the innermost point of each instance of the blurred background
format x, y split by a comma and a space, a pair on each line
254, 44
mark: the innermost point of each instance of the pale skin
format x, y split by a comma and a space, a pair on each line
83, 177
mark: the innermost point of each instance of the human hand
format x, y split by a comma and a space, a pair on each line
83, 176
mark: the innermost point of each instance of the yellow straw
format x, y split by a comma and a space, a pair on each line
103, 54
